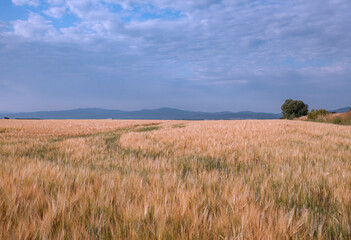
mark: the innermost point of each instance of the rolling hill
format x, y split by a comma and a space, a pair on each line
161, 114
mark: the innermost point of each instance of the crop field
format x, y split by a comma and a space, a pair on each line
145, 179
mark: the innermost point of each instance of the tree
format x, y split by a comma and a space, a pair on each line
315, 114
294, 108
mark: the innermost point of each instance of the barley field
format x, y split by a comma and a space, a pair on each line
136, 179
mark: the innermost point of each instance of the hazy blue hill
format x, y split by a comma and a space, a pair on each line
340, 110
161, 113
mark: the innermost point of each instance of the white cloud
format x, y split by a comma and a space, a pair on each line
56, 2
91, 10
212, 43
56, 12
34, 3
35, 28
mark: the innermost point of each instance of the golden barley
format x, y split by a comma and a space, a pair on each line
136, 179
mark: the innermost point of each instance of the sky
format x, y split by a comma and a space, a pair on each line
204, 55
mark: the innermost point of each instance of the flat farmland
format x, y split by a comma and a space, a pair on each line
148, 179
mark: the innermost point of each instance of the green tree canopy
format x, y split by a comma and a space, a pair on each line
314, 114
294, 108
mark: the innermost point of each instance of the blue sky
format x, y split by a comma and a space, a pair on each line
209, 55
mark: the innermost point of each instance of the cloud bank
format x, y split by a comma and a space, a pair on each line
200, 55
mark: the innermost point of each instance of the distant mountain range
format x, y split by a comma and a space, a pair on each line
159, 114
340, 110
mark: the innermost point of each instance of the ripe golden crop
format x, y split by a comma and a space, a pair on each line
144, 179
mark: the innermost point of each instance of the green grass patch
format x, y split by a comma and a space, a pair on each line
3, 130
178, 126
111, 141
148, 129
